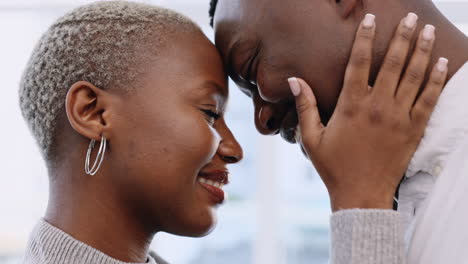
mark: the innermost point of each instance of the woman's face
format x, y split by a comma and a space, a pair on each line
169, 138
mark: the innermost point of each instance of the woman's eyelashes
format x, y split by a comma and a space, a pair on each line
211, 116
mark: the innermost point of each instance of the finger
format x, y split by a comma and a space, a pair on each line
417, 68
310, 124
426, 102
356, 79
390, 72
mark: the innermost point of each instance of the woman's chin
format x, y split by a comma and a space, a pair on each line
204, 228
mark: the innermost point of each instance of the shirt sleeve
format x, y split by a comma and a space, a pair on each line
367, 236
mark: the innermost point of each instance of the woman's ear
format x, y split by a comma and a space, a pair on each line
346, 7
85, 105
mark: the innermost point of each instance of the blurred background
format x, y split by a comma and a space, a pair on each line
277, 209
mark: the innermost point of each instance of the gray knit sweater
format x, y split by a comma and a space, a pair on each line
50, 245
357, 237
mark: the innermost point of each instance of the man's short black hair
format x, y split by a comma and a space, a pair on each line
213, 5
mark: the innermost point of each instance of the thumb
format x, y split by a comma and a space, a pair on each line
310, 125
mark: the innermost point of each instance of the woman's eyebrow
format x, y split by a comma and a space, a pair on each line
220, 94
222, 90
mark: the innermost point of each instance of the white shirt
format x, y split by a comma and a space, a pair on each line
434, 193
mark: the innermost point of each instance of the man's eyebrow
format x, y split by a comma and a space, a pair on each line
230, 60
230, 67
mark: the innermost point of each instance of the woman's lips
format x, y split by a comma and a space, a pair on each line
213, 182
221, 176
216, 193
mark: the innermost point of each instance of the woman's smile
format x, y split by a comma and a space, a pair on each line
213, 183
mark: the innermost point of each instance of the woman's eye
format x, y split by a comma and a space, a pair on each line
211, 116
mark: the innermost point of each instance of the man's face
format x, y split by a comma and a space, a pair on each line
264, 42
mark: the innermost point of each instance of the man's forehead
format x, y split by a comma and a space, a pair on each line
233, 22
226, 25
241, 10
228, 10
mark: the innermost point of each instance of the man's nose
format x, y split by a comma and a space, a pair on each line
265, 120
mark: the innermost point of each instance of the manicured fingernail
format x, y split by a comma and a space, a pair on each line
442, 65
428, 32
368, 21
294, 85
410, 20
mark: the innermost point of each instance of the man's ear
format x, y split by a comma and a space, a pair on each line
85, 105
346, 7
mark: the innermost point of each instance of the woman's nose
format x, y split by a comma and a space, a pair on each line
229, 149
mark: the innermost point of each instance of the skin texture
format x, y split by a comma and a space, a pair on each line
366, 114
313, 40
160, 138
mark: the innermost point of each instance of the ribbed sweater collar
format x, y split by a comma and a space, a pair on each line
50, 245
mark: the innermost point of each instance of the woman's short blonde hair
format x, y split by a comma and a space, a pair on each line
102, 43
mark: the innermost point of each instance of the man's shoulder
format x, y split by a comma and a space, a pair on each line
157, 258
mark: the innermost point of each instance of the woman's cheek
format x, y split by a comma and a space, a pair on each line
200, 142
216, 139
212, 144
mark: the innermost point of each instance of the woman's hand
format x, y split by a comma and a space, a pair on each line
364, 150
